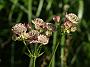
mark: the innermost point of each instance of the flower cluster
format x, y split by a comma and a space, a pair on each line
70, 23
40, 34
43, 30
41, 25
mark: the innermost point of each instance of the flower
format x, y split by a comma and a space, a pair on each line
41, 33
73, 29
28, 26
39, 23
70, 23
21, 37
43, 39
56, 18
50, 27
19, 28
72, 17
38, 39
33, 34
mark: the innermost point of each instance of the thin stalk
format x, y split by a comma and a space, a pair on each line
39, 8
53, 54
49, 4
11, 13
22, 8
63, 64
29, 10
26, 47
19, 17
33, 58
12, 10
53, 47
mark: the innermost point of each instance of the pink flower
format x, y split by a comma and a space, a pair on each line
38, 39
39, 23
70, 23
72, 17
19, 28
56, 18
43, 39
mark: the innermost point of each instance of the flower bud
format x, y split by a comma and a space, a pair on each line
56, 18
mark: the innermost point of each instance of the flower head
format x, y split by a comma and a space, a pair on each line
70, 23
43, 39
40, 34
19, 28
33, 34
72, 17
38, 39
39, 23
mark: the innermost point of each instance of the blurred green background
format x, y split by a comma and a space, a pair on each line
15, 11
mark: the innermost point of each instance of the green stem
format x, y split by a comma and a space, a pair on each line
33, 58
49, 4
26, 47
22, 8
12, 10
32, 62
39, 8
53, 47
53, 54
62, 51
11, 13
29, 10
19, 17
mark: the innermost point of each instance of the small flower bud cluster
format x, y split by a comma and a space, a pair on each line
70, 23
21, 32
